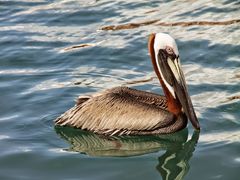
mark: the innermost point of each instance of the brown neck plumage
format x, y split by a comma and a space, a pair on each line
174, 105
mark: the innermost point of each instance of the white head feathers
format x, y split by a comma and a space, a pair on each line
162, 41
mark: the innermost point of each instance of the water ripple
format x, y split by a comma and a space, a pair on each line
41, 74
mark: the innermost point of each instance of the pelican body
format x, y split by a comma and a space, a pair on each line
126, 111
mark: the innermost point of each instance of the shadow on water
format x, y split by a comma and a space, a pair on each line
173, 164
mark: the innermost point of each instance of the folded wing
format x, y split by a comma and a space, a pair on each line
119, 111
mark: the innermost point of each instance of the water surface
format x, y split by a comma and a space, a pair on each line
41, 76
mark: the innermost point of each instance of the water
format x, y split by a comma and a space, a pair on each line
41, 75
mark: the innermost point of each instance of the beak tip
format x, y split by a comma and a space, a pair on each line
197, 126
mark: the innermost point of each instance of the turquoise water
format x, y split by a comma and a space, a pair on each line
41, 76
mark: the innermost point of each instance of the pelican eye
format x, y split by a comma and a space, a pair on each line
169, 50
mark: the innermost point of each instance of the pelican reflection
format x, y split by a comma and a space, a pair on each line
173, 164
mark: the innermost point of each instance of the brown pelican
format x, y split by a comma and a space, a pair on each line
126, 111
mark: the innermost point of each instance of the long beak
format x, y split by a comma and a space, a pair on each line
172, 72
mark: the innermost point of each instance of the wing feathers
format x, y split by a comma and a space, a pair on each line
119, 110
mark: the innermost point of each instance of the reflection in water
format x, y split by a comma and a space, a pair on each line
173, 164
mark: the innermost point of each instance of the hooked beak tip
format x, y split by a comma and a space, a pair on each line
197, 127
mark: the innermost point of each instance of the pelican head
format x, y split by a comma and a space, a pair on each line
166, 62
